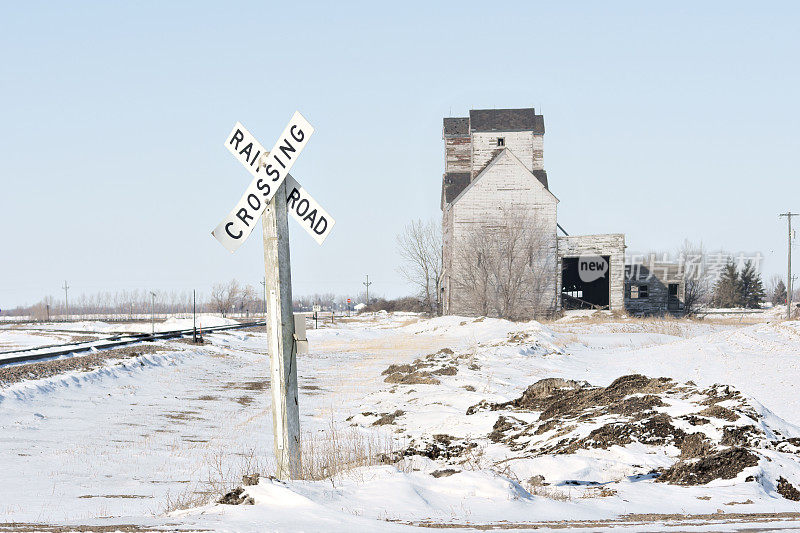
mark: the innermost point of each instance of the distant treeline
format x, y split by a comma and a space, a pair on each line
227, 299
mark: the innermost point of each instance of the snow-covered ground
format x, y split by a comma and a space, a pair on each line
120, 443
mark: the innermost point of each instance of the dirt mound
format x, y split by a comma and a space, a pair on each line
563, 398
716, 431
388, 418
423, 371
236, 497
787, 490
726, 464
439, 446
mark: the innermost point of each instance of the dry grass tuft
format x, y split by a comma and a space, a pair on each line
325, 454
334, 451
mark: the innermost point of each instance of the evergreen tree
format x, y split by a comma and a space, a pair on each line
779, 294
750, 286
727, 290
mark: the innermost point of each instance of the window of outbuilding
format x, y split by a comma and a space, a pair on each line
501, 141
643, 291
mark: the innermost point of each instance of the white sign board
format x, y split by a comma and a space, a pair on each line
307, 212
317, 308
268, 173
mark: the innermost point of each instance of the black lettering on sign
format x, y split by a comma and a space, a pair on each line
243, 216
304, 208
263, 186
255, 158
246, 151
292, 198
273, 172
288, 148
311, 217
322, 221
299, 135
228, 231
238, 137
253, 201
279, 161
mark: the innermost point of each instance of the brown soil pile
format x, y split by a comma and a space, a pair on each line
423, 371
787, 490
388, 418
236, 497
726, 464
576, 415
440, 446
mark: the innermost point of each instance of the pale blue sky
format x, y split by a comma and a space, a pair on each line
663, 122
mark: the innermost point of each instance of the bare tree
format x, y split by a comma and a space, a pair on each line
248, 299
474, 274
224, 296
507, 268
697, 280
420, 246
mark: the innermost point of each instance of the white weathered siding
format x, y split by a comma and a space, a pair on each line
457, 153
447, 257
656, 276
524, 144
505, 186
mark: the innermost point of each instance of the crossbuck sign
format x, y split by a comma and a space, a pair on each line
270, 196
269, 170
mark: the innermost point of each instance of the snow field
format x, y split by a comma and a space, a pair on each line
117, 441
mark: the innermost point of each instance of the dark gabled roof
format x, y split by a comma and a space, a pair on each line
452, 185
506, 120
541, 175
456, 127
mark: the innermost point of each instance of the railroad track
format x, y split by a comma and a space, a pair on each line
113, 341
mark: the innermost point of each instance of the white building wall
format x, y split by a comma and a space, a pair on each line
506, 186
528, 148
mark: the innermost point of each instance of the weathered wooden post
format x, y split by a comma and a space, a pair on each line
281, 338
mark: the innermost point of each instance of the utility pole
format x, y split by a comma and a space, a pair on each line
367, 284
66, 298
281, 338
194, 315
789, 216
152, 313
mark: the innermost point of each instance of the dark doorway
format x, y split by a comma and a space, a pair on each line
673, 304
579, 294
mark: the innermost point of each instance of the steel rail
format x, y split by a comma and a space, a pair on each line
113, 341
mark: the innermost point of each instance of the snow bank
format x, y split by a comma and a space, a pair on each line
26, 390
480, 330
376, 498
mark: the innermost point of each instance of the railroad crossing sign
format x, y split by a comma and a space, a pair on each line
269, 170
271, 195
